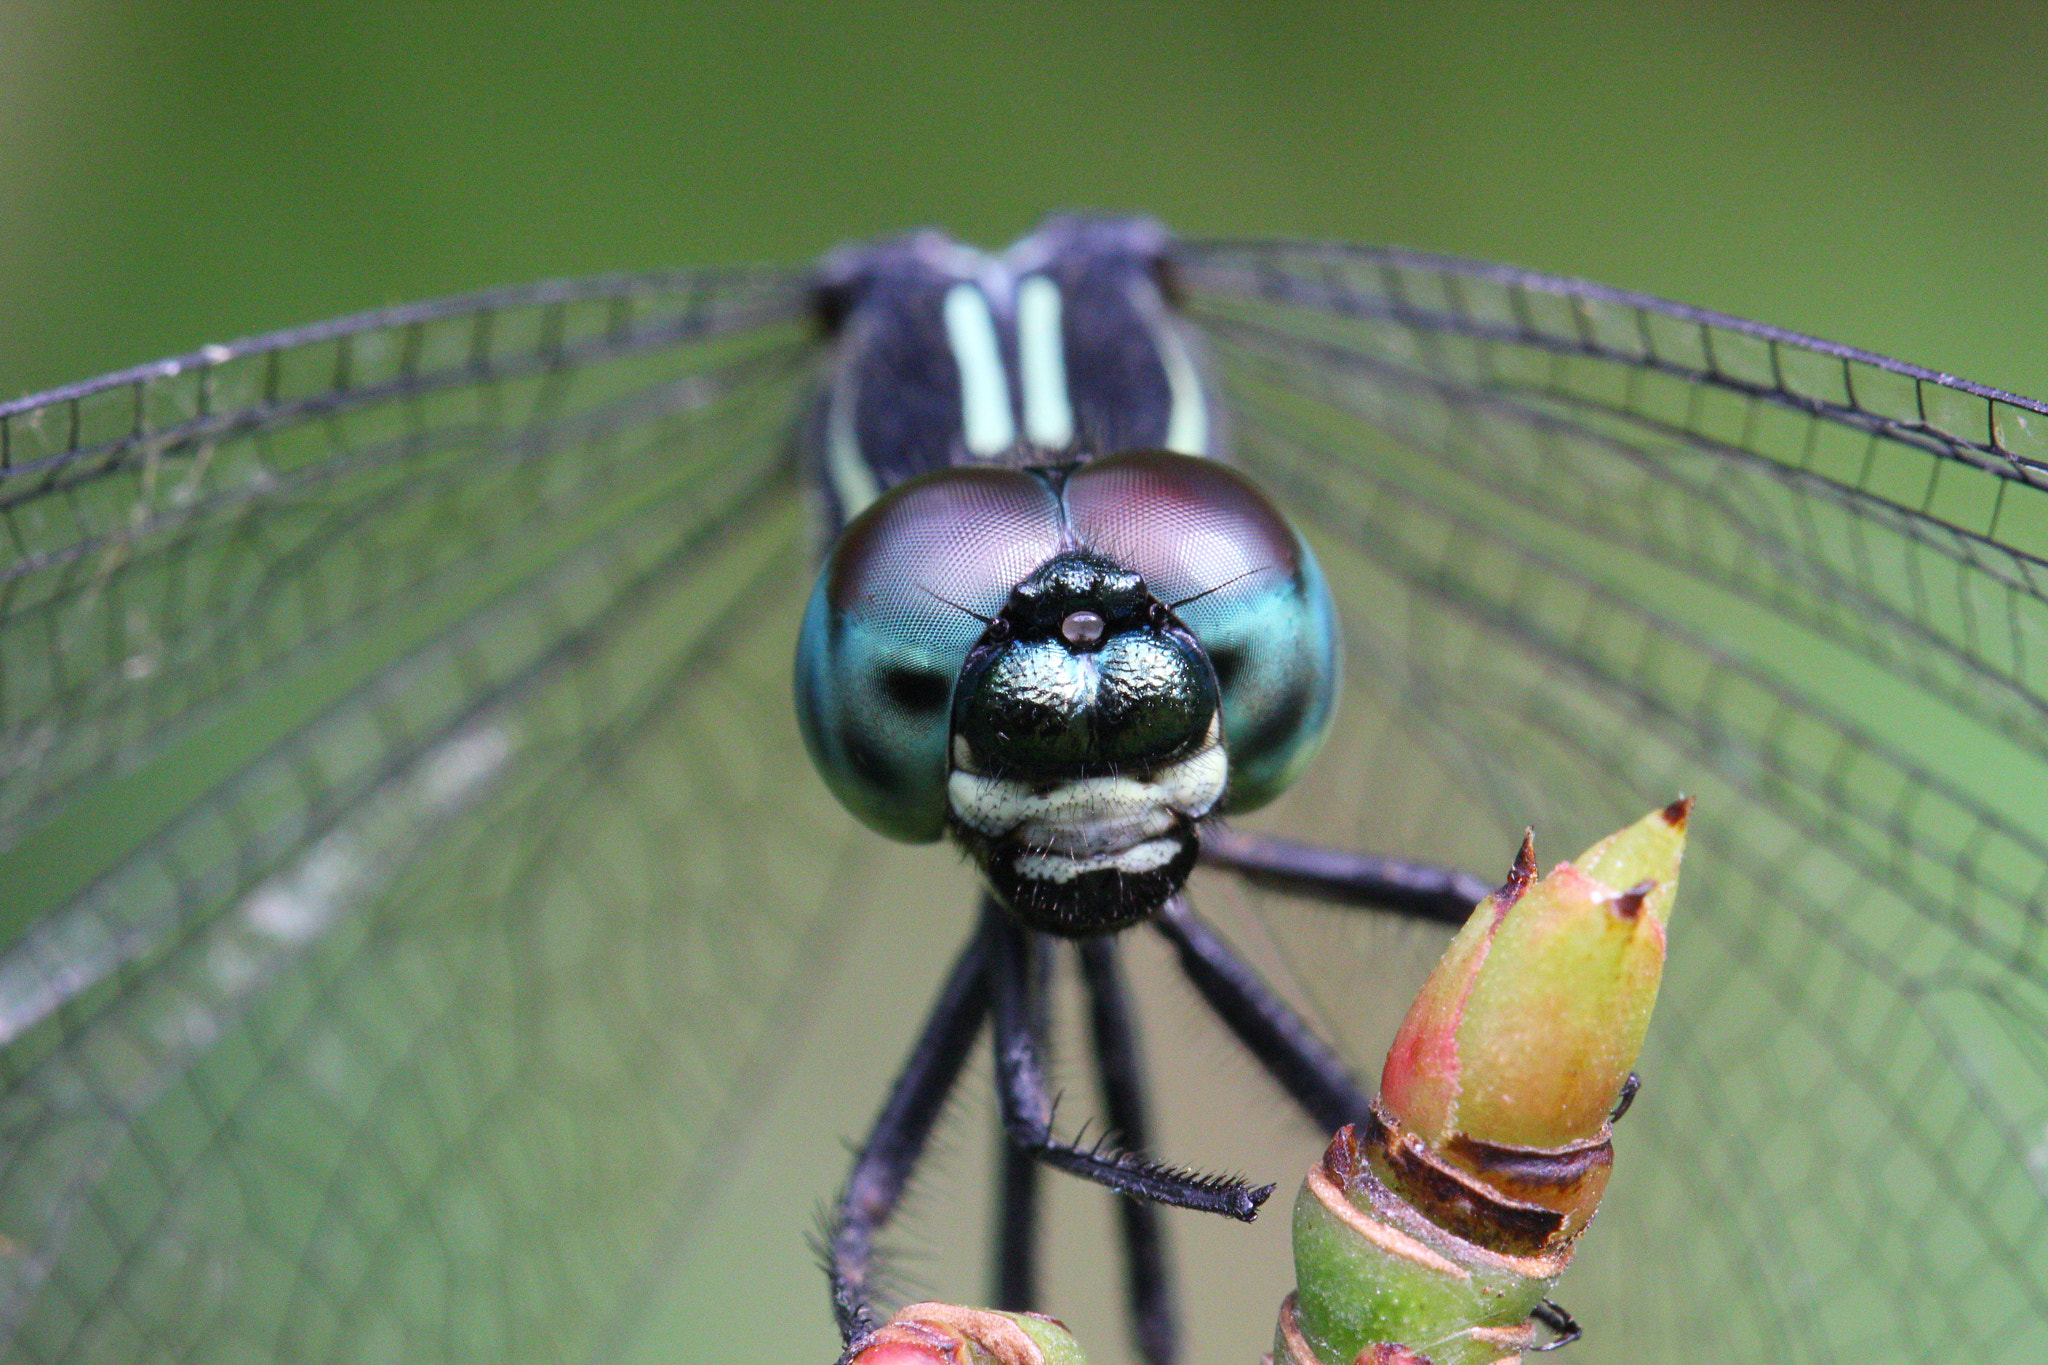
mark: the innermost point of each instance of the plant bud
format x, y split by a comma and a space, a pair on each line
1528, 1027
946, 1334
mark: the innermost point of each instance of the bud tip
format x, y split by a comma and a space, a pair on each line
1521, 872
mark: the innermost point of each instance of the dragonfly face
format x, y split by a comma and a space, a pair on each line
1032, 656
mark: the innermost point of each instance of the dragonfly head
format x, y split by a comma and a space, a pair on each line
1066, 669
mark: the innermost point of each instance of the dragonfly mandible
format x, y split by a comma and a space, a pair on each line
412, 866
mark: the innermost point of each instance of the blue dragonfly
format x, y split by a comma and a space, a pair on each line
412, 862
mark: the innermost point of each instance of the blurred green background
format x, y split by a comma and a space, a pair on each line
177, 173
174, 174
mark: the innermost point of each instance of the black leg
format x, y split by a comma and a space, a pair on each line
1282, 1041
1016, 1249
886, 1159
1416, 890
1148, 1287
1028, 1109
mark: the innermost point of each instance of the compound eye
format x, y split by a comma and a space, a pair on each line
909, 587
1211, 548
1188, 527
943, 548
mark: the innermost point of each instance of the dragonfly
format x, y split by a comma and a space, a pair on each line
413, 866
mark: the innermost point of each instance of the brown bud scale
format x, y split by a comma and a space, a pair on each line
1348, 1183
1517, 1201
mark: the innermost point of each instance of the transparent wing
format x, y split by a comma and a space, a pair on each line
396, 881
1592, 550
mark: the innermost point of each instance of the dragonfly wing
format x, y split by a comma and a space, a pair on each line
1592, 550
398, 879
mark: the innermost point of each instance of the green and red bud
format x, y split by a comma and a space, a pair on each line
1446, 1216
1526, 1031
947, 1334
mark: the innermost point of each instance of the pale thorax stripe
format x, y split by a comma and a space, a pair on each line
987, 426
988, 422
1187, 421
1042, 365
853, 482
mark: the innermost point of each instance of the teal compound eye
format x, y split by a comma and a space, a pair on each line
910, 586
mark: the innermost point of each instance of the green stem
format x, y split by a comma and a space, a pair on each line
1372, 1269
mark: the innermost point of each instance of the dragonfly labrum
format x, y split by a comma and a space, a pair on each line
413, 865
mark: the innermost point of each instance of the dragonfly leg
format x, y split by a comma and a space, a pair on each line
883, 1165
1027, 1105
1016, 1241
1303, 1065
1015, 1275
1417, 890
1148, 1288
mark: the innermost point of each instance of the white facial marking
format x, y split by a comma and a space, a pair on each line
1149, 856
1093, 821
